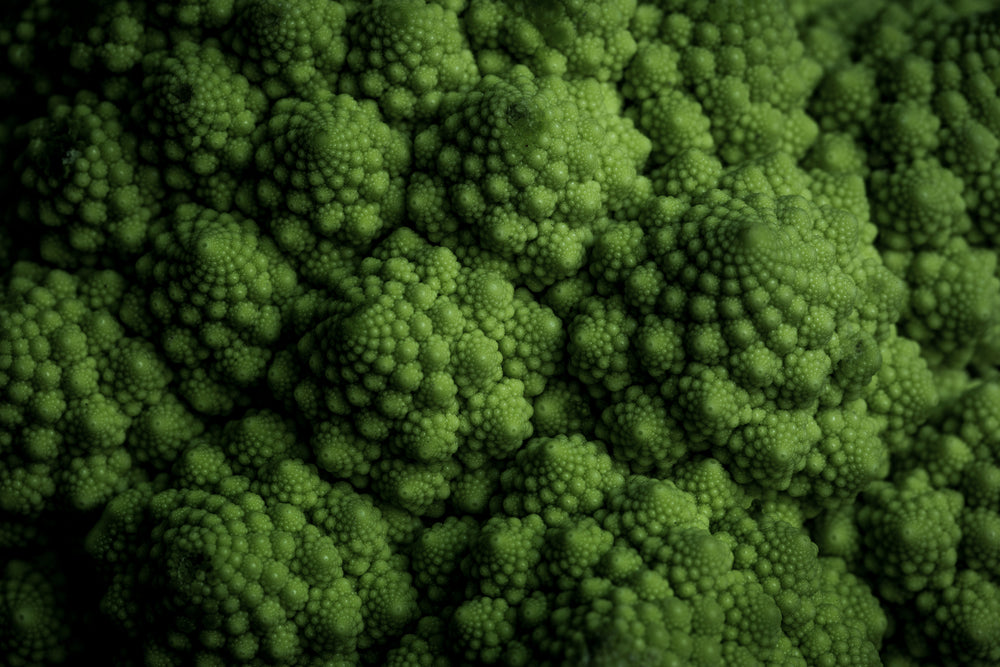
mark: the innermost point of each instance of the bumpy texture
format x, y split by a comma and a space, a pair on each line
338, 333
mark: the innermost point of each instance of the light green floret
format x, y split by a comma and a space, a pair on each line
778, 312
559, 478
688, 173
160, 432
119, 39
419, 489
617, 250
734, 75
966, 98
964, 619
922, 95
393, 348
642, 432
506, 555
483, 627
83, 178
200, 112
345, 453
576, 551
961, 452
642, 623
907, 130
658, 342
845, 99
410, 56
427, 360
980, 547
656, 65
212, 290
197, 13
331, 169
676, 123
903, 392
284, 568
526, 169
572, 38
71, 385
918, 205
932, 536
532, 344
975, 417
258, 438
712, 487
296, 45
816, 607
911, 534
598, 344
954, 299
647, 507
849, 454
768, 291
35, 627
437, 555
417, 650
561, 408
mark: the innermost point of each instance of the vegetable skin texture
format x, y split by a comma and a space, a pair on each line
446, 332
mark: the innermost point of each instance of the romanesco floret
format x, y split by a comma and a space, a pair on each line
442, 332
81, 171
519, 168
214, 289
558, 478
200, 111
256, 565
288, 46
411, 56
68, 404
36, 620
911, 536
568, 37
333, 164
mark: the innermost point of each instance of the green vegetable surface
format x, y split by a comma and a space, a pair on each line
457, 332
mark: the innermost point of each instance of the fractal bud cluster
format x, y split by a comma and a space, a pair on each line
500, 332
